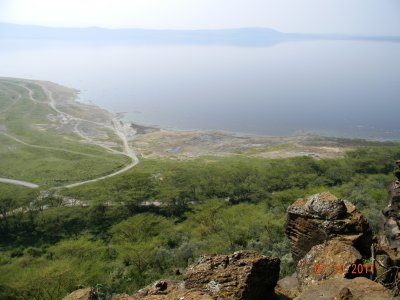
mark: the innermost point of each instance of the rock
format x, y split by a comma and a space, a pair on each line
357, 288
288, 287
345, 294
387, 263
325, 206
242, 275
158, 288
387, 247
392, 212
322, 217
82, 294
382, 267
397, 169
166, 290
332, 259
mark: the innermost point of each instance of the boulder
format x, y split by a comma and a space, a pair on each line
341, 289
242, 275
82, 294
332, 259
322, 217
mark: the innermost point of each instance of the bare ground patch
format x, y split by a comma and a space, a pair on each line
191, 144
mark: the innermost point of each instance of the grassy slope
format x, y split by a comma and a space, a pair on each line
28, 121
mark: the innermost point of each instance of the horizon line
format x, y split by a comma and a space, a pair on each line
337, 34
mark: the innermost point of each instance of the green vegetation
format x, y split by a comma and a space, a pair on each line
163, 214
122, 233
32, 148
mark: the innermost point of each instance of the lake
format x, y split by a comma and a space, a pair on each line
341, 88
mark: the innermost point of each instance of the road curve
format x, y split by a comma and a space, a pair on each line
120, 129
19, 182
128, 151
126, 168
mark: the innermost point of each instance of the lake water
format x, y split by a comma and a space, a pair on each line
344, 88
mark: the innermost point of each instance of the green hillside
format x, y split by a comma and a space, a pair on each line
37, 145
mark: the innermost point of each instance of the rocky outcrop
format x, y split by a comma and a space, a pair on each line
392, 211
243, 275
82, 294
323, 217
359, 288
332, 259
387, 246
331, 243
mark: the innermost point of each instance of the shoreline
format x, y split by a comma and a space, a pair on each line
259, 135
159, 142
120, 115
74, 121
90, 124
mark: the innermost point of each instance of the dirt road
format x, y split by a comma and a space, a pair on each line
19, 182
123, 131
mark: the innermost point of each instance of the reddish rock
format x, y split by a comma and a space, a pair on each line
333, 259
242, 275
322, 217
350, 289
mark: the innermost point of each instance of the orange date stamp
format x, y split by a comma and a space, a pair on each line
355, 269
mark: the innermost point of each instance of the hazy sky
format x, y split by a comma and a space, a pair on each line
330, 16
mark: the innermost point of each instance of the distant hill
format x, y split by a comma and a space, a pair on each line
238, 36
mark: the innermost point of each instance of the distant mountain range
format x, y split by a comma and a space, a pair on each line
239, 36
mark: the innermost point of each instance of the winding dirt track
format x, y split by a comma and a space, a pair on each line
120, 129
19, 182
128, 151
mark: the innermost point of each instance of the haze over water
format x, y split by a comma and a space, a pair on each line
343, 88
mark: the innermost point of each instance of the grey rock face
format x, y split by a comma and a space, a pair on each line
325, 206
